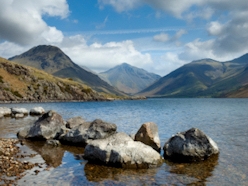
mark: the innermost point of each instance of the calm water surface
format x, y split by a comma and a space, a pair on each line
224, 120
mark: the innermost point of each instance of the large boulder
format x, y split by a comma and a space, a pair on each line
97, 129
4, 111
37, 111
48, 126
119, 150
191, 145
148, 134
74, 122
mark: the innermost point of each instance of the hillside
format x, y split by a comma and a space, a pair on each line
129, 79
202, 78
20, 83
53, 61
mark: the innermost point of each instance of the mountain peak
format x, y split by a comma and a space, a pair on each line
128, 78
54, 61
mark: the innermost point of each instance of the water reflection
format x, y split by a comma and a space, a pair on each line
199, 170
52, 155
101, 173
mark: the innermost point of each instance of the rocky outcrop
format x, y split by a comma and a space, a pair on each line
148, 134
80, 135
120, 150
191, 145
31, 85
37, 111
74, 122
48, 126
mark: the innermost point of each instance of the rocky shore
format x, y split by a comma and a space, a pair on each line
12, 165
102, 143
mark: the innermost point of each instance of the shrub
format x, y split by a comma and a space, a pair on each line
1, 79
16, 93
87, 90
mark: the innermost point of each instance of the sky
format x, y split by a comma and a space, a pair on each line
156, 35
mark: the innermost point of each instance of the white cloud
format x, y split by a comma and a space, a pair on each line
166, 63
215, 28
162, 37
9, 49
21, 20
119, 5
101, 57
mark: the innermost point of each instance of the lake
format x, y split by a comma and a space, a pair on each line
224, 120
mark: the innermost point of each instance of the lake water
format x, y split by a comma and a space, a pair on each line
224, 120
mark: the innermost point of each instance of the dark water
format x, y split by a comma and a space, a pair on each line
224, 120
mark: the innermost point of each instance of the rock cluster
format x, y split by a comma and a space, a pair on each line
10, 164
20, 112
103, 144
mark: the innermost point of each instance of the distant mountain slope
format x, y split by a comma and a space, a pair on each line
53, 61
202, 78
22, 83
129, 79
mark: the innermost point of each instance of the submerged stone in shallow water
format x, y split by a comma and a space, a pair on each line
191, 145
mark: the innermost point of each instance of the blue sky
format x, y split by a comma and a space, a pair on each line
156, 35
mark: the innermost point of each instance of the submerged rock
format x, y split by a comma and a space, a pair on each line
191, 145
54, 143
37, 111
148, 134
119, 150
97, 129
48, 126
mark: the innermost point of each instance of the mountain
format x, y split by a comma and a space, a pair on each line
53, 61
202, 78
19, 83
129, 79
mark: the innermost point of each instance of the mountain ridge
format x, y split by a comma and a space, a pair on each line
201, 78
53, 60
20, 83
128, 78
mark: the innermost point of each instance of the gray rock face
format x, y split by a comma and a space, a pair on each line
37, 111
97, 129
4, 111
74, 122
48, 126
148, 134
191, 145
119, 150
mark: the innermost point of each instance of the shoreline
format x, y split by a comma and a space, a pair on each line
60, 101
13, 165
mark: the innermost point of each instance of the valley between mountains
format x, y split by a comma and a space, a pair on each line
46, 73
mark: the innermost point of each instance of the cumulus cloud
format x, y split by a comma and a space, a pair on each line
21, 20
215, 28
101, 57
